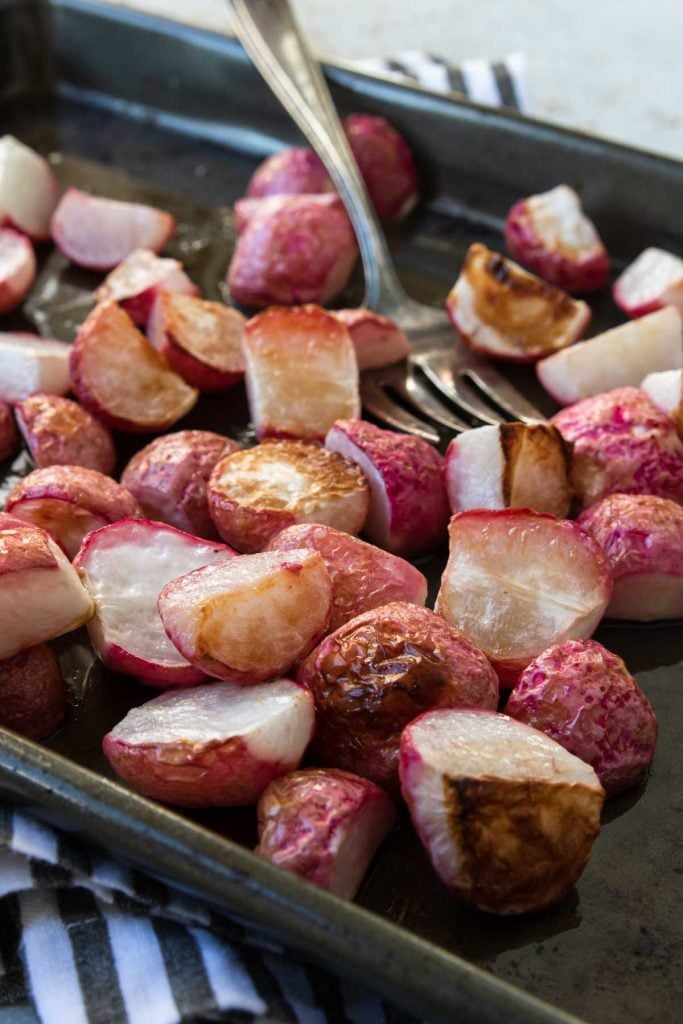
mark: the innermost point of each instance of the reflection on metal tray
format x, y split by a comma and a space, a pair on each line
187, 115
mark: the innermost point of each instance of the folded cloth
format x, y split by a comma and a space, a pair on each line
85, 940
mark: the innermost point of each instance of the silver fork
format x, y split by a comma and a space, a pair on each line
443, 387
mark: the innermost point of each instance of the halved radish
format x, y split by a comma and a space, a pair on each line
28, 189
125, 566
139, 278
386, 164
518, 581
17, 268
505, 312
29, 364
290, 172
302, 373
408, 504
212, 746
377, 340
551, 235
324, 825
513, 465
58, 431
615, 359
41, 595
666, 391
255, 493
653, 280
507, 815
69, 502
33, 696
121, 379
202, 341
251, 618
9, 439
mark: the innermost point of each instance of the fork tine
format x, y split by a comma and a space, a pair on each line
413, 392
502, 394
378, 403
437, 367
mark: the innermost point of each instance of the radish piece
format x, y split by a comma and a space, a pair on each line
653, 280
302, 373
666, 391
290, 172
41, 595
29, 364
33, 697
249, 619
408, 502
212, 746
507, 815
513, 465
69, 502
386, 164
125, 566
615, 359
9, 439
584, 697
622, 442
17, 268
121, 379
377, 340
374, 674
58, 431
256, 493
551, 235
518, 581
325, 826
642, 538
363, 576
28, 189
293, 249
99, 233
169, 478
202, 341
505, 312
139, 278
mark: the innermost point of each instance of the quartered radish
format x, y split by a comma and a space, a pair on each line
377, 340
665, 389
653, 280
28, 189
17, 268
139, 278
58, 431
33, 696
290, 172
29, 364
385, 163
9, 439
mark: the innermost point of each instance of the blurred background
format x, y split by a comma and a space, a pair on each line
609, 67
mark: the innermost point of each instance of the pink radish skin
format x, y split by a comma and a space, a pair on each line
377, 340
409, 511
9, 439
258, 492
517, 582
386, 164
363, 576
550, 234
139, 279
124, 567
99, 233
69, 502
374, 674
325, 826
642, 539
584, 698
17, 268
290, 172
33, 697
60, 432
653, 280
29, 364
28, 189
293, 250
212, 746
217, 616
169, 478
622, 443
507, 815
666, 391
41, 596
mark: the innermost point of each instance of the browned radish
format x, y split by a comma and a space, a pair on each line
33, 697
17, 268
28, 189
29, 364
377, 340
653, 280
58, 431
386, 164
139, 278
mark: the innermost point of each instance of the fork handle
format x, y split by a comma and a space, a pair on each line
271, 37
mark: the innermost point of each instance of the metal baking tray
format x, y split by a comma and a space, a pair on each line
181, 121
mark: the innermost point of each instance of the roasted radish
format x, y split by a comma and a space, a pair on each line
653, 280
507, 815
666, 391
33, 697
377, 340
212, 746
28, 189
386, 164
17, 268
9, 439
139, 278
58, 431
290, 172
324, 825
29, 364
503, 311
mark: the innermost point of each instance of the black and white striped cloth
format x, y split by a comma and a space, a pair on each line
85, 940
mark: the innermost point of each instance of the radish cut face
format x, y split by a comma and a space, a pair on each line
212, 746
28, 189
17, 268
666, 391
29, 364
517, 582
507, 815
125, 566
653, 280
139, 278
60, 432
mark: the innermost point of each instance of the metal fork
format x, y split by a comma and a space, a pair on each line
443, 387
